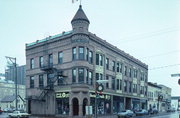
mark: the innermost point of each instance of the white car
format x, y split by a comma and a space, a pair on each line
126, 113
19, 114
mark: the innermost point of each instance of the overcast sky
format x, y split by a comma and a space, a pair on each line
149, 30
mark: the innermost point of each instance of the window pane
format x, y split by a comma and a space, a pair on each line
81, 75
32, 82
41, 81
91, 57
97, 59
32, 63
50, 60
81, 53
60, 57
74, 75
74, 53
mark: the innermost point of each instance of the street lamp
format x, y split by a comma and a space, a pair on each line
13, 61
98, 87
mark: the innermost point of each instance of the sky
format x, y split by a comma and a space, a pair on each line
149, 30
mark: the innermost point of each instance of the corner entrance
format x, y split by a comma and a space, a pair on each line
75, 107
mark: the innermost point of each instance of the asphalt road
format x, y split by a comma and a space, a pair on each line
161, 115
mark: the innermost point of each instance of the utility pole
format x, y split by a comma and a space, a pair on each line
13, 61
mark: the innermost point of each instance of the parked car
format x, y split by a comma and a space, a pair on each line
126, 113
171, 110
141, 112
19, 114
153, 111
1, 111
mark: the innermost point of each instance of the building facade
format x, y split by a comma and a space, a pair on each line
166, 101
7, 97
62, 72
21, 72
153, 92
175, 102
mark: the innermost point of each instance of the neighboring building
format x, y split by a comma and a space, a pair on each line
7, 91
175, 102
166, 102
153, 92
21, 72
82, 58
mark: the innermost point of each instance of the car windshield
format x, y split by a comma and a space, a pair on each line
123, 111
22, 111
16, 112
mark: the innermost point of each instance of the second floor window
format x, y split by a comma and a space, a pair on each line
81, 53
125, 86
130, 87
117, 85
107, 84
113, 83
50, 60
87, 54
60, 57
32, 63
74, 75
32, 82
91, 77
41, 81
87, 76
81, 75
41, 61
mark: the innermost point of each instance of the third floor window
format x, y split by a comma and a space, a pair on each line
50, 60
60, 57
41, 61
99, 59
32, 63
74, 53
81, 53
107, 63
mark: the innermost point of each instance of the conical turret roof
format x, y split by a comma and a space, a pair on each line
80, 15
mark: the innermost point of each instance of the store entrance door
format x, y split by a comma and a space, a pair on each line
75, 107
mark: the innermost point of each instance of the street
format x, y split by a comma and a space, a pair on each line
162, 115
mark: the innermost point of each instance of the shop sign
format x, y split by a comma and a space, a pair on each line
108, 97
62, 95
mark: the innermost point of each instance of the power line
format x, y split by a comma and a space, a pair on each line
161, 54
160, 67
144, 36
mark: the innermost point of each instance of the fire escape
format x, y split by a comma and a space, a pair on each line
53, 74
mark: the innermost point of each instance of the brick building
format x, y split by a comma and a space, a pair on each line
62, 71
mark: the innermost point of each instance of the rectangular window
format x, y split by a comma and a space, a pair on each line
120, 67
81, 75
125, 70
113, 83
74, 75
117, 67
41, 61
130, 87
91, 77
32, 82
41, 81
107, 83
50, 60
81, 53
97, 76
101, 60
113, 66
117, 84
107, 63
90, 57
87, 54
125, 86
97, 59
49, 78
87, 76
60, 78
120, 83
74, 53
32, 63
60, 57
130, 72
135, 73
